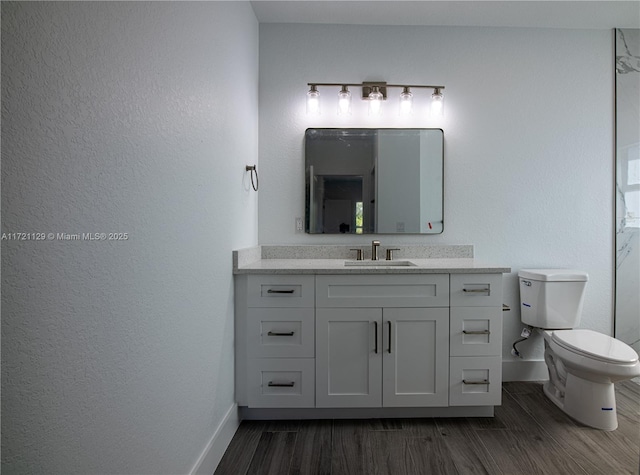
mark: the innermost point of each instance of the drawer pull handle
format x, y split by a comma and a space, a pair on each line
476, 332
483, 381
275, 291
281, 385
280, 333
476, 291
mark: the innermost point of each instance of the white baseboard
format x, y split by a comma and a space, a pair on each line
524, 370
213, 452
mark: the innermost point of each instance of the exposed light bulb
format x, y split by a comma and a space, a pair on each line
437, 103
344, 101
313, 101
406, 101
375, 101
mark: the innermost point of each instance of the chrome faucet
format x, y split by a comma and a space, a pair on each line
390, 253
374, 250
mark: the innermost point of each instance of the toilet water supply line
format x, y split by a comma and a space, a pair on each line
526, 333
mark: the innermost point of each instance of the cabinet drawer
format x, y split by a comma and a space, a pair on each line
476, 290
281, 382
366, 291
280, 291
280, 332
475, 381
475, 331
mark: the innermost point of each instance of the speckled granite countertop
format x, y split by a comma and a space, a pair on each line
331, 260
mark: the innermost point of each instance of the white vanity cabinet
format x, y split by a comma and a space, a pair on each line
382, 341
275, 354
475, 367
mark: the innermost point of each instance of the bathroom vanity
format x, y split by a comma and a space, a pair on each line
318, 335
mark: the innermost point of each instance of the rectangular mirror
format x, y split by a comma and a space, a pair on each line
374, 181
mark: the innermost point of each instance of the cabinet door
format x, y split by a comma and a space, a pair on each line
416, 357
348, 357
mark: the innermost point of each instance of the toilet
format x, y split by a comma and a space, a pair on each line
582, 364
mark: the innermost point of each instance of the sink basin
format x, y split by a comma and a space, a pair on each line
369, 263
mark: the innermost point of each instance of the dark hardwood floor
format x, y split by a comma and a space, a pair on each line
528, 435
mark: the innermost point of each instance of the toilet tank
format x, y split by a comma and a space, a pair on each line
552, 298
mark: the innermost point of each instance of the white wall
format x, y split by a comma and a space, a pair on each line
528, 139
117, 357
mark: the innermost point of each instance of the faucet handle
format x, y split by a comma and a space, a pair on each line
374, 250
358, 254
390, 254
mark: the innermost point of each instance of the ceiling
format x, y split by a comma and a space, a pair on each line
516, 13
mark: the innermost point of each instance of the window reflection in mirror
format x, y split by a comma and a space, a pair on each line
366, 181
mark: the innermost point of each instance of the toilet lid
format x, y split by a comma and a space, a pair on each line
596, 345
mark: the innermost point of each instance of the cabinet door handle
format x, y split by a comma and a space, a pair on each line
476, 332
280, 333
281, 385
482, 381
375, 336
476, 291
389, 322
275, 291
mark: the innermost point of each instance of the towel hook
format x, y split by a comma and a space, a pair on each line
252, 169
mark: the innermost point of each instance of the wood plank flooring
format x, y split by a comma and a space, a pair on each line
528, 435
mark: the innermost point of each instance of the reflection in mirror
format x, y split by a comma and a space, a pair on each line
365, 181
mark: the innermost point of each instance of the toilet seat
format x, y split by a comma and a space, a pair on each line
595, 345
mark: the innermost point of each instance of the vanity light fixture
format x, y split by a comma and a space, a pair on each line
313, 100
406, 101
375, 100
375, 93
344, 101
437, 103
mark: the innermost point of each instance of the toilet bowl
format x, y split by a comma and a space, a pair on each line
583, 367
583, 364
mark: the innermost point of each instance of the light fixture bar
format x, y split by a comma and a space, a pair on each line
373, 83
417, 86
375, 92
339, 84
